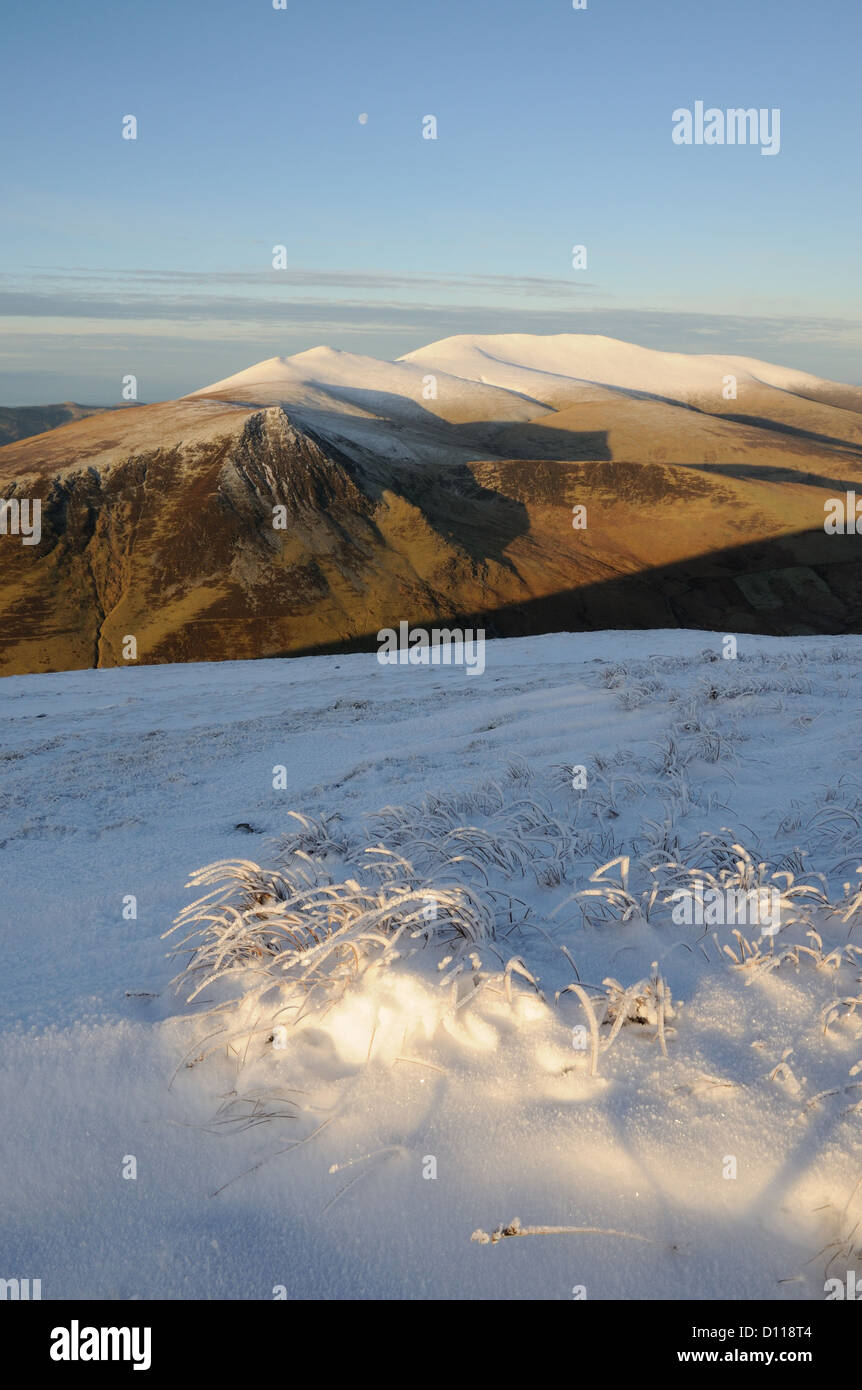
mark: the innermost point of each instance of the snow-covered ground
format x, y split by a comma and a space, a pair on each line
365, 1109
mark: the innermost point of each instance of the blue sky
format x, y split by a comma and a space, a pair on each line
154, 256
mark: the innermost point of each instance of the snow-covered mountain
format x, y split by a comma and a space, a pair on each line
438, 487
326, 379
545, 362
514, 375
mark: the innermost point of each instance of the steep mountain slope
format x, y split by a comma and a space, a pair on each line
413, 490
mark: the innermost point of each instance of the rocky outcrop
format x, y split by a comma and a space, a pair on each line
209, 530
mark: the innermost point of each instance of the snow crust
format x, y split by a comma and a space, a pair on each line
120, 782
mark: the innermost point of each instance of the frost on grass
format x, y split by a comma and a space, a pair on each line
494, 885
287, 942
482, 877
523, 895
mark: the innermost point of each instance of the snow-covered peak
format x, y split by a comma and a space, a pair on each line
348, 382
521, 361
500, 376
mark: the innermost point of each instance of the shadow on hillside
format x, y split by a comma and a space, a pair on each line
478, 519
764, 473
763, 422
796, 585
508, 439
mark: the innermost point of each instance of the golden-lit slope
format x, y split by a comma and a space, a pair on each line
412, 492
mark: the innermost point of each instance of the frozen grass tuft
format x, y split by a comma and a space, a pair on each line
284, 942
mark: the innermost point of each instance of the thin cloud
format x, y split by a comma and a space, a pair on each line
267, 278
429, 320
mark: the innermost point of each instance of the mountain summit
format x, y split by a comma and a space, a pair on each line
309, 501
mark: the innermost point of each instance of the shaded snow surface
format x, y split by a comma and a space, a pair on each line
123, 782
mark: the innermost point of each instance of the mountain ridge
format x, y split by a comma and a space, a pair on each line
398, 503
